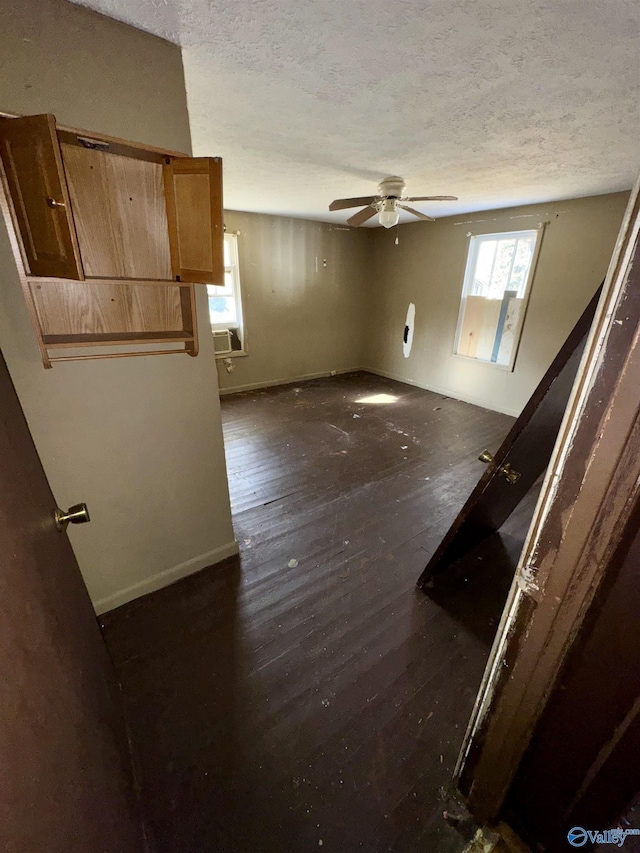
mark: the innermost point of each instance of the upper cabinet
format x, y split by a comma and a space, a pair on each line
111, 236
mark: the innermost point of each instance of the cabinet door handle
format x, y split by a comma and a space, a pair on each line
53, 204
78, 514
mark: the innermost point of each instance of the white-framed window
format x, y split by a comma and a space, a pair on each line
225, 304
495, 291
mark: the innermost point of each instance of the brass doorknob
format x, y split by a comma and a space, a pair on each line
510, 474
53, 203
77, 514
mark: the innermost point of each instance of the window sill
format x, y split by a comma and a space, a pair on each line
235, 354
508, 367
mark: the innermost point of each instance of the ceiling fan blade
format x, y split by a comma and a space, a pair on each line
361, 216
417, 213
343, 203
432, 198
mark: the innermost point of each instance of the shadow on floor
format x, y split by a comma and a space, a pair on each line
474, 590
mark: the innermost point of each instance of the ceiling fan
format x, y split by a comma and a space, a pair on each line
387, 204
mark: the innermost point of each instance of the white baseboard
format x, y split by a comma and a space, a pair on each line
268, 383
446, 392
168, 576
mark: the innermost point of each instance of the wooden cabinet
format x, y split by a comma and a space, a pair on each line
110, 238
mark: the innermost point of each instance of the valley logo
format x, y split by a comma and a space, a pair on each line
578, 836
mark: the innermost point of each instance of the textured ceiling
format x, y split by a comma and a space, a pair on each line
499, 102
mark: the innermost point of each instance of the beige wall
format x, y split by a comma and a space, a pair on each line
427, 268
138, 439
302, 319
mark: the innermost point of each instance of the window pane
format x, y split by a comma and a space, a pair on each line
225, 305
502, 268
222, 310
493, 296
521, 266
227, 290
505, 342
484, 265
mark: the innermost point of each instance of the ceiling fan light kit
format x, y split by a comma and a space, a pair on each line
386, 204
388, 215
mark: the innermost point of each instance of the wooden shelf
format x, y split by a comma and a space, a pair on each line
155, 282
115, 338
152, 282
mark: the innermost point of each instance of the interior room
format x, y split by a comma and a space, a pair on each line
324, 318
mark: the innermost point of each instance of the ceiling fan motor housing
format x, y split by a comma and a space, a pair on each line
392, 187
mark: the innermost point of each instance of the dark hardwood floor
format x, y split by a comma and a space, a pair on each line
307, 695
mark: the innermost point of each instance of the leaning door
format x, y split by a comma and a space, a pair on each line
65, 781
522, 457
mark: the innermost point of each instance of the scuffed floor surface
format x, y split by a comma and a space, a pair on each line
307, 696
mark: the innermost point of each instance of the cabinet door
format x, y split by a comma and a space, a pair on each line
193, 192
35, 176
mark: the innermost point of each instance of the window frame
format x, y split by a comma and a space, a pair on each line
231, 238
473, 248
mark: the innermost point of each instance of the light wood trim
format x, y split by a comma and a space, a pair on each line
190, 317
114, 339
133, 282
117, 145
8, 214
137, 354
72, 140
590, 491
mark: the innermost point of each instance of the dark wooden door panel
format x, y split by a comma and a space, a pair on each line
526, 449
35, 176
65, 783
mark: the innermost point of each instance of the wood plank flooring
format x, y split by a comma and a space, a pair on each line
307, 696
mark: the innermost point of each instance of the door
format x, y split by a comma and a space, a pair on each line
521, 459
193, 192
32, 163
65, 781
